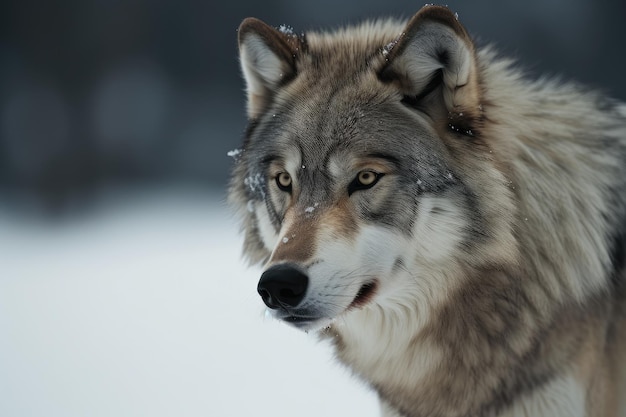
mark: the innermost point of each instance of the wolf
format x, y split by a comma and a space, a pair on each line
455, 229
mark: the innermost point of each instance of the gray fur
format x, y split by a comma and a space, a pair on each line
521, 311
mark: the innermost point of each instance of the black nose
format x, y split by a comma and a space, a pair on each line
282, 286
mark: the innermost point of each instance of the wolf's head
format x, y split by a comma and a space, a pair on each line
364, 180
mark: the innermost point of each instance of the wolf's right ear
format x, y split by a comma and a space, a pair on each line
268, 60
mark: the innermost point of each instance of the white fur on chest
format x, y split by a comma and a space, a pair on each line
383, 350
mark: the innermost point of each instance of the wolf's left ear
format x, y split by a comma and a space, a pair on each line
267, 58
435, 50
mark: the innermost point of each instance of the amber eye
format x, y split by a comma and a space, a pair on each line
364, 180
283, 180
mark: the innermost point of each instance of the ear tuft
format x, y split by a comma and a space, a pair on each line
435, 45
268, 60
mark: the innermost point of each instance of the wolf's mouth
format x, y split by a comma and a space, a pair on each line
305, 320
304, 323
365, 294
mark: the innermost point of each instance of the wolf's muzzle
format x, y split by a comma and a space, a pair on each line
282, 286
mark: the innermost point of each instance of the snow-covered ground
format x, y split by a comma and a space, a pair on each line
144, 308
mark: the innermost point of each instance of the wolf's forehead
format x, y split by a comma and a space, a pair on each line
351, 123
329, 132
335, 112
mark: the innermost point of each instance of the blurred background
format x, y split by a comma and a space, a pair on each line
121, 287
148, 92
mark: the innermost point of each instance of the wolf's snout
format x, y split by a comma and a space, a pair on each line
282, 286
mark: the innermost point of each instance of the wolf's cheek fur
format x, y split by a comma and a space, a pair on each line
343, 266
270, 212
439, 229
266, 229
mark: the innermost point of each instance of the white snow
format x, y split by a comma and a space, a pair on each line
286, 30
235, 153
144, 308
312, 208
255, 183
387, 48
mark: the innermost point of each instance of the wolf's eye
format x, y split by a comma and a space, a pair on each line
364, 180
283, 180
